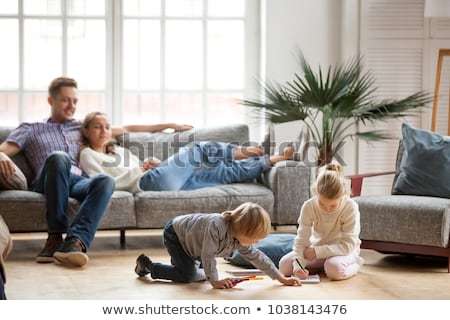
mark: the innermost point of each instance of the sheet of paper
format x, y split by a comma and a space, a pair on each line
245, 272
315, 278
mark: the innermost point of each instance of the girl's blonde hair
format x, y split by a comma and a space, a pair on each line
330, 182
249, 220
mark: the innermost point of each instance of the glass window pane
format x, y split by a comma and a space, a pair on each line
42, 52
86, 52
141, 8
184, 8
89, 102
141, 108
9, 59
141, 54
224, 109
226, 8
9, 6
86, 8
225, 55
184, 55
9, 109
36, 107
184, 108
42, 7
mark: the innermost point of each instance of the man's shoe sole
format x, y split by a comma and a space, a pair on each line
42, 259
78, 259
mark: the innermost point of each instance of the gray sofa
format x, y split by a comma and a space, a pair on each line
281, 191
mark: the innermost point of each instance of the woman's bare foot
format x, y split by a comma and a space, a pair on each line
248, 152
288, 154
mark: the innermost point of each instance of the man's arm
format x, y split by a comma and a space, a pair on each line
149, 128
9, 148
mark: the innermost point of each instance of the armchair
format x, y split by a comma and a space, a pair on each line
403, 223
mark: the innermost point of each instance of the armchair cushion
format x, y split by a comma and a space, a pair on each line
425, 166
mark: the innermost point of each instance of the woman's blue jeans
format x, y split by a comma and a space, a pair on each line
183, 268
57, 183
203, 164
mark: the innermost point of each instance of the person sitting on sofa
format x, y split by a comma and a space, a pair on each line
198, 165
51, 148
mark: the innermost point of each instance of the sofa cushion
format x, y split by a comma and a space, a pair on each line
425, 166
17, 182
275, 246
118, 215
155, 208
19, 159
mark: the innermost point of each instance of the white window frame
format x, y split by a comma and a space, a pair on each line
113, 60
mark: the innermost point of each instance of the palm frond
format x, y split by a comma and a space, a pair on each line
340, 97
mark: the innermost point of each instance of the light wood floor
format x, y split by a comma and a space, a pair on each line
110, 275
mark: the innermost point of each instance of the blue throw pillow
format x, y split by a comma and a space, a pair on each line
275, 246
425, 166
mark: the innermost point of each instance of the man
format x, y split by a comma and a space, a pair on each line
52, 148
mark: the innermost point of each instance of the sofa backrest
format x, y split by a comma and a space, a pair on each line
19, 159
164, 144
156, 144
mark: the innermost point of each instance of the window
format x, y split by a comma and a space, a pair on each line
140, 61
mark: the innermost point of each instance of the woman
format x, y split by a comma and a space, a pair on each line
202, 164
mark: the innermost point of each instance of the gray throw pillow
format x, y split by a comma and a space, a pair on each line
275, 246
425, 166
16, 182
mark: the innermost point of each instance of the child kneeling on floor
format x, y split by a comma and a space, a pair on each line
195, 239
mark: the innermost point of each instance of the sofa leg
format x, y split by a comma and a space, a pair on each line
122, 238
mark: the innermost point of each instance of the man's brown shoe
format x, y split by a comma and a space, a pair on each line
53, 243
72, 253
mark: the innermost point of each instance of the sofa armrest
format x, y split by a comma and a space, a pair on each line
290, 183
356, 181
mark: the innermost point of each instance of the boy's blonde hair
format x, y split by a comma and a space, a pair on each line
249, 220
330, 182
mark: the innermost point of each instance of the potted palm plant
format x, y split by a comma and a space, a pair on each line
333, 105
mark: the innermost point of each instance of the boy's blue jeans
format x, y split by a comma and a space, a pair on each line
57, 183
203, 164
183, 268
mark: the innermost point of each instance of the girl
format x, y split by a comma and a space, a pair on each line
201, 165
328, 232
200, 238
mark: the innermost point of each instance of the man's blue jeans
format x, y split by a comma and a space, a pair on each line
203, 164
2, 288
183, 268
57, 183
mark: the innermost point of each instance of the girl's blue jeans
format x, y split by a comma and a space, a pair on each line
203, 164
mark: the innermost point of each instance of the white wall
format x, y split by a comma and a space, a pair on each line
324, 30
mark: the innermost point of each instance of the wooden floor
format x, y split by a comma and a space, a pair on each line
110, 275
